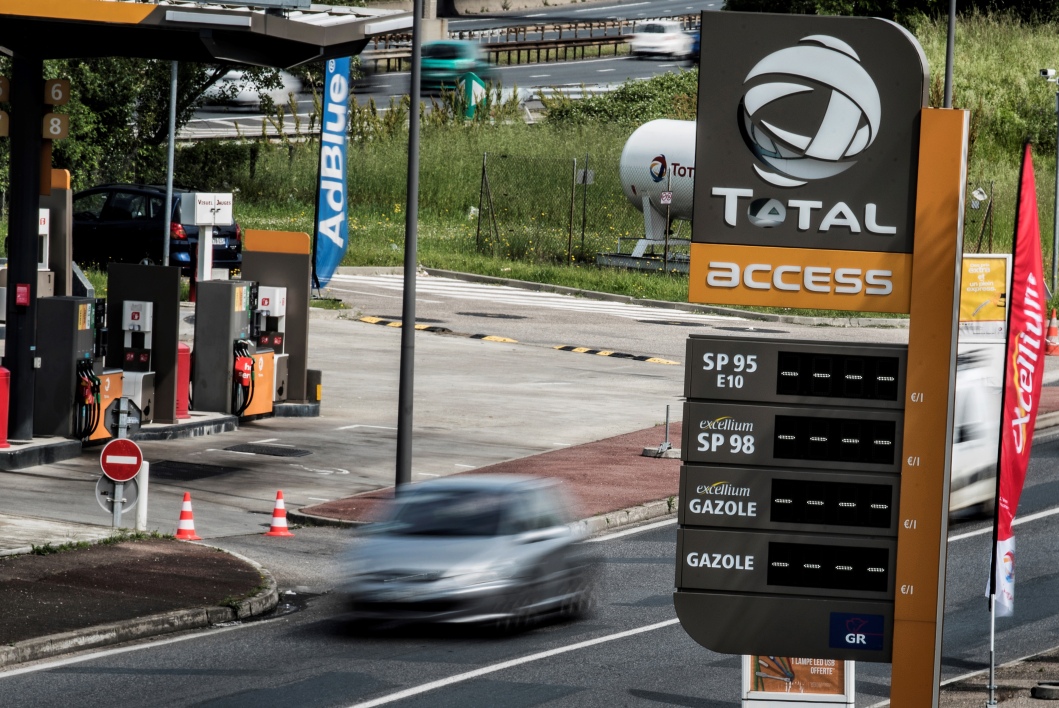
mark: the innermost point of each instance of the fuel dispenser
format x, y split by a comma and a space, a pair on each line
271, 318
137, 325
222, 367
110, 381
66, 388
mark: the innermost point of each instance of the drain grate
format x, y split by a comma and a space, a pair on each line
492, 315
187, 471
274, 450
674, 323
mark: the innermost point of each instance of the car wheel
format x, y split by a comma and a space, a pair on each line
146, 261
516, 616
581, 600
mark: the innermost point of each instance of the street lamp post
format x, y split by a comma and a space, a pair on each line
1049, 76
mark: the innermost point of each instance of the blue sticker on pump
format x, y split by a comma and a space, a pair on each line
853, 631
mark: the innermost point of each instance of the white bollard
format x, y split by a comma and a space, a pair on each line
141, 504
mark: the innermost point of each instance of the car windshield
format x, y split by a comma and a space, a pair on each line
448, 513
654, 29
445, 51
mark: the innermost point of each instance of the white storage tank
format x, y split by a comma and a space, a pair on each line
658, 157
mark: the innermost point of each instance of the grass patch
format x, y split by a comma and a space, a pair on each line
120, 536
328, 303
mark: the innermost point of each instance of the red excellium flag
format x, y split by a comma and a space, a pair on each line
1023, 375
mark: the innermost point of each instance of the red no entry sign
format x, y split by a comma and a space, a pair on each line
121, 460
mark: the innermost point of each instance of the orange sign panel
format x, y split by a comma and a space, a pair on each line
800, 277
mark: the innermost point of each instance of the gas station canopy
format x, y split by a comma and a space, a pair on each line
58, 29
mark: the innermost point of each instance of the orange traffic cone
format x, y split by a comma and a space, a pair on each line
1051, 339
279, 518
185, 530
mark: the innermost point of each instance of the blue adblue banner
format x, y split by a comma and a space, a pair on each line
332, 224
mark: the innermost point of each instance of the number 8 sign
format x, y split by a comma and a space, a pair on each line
56, 126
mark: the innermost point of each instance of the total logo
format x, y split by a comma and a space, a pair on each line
660, 167
768, 212
819, 67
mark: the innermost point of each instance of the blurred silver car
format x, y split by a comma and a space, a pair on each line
478, 549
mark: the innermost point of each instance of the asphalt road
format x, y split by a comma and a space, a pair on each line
477, 401
631, 654
218, 121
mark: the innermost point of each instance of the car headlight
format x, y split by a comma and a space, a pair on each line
482, 576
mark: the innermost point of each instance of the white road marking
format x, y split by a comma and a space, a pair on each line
612, 7
501, 294
540, 76
427, 474
630, 532
48, 665
1018, 520
266, 440
377, 294
485, 670
603, 71
231, 452
380, 427
470, 467
319, 499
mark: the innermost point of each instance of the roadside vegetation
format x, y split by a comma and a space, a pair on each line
998, 57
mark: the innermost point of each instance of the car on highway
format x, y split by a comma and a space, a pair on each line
123, 223
487, 550
446, 61
236, 90
660, 38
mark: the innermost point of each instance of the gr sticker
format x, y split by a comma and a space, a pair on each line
854, 631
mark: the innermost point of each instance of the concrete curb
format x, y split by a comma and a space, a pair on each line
305, 519
142, 627
592, 526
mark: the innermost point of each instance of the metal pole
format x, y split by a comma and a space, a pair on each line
1055, 206
27, 114
573, 201
141, 506
950, 50
119, 499
169, 164
584, 207
408, 312
992, 651
665, 248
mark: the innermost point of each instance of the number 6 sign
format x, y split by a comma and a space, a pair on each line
56, 92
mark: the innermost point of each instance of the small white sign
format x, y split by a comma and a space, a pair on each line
666, 198
43, 221
206, 209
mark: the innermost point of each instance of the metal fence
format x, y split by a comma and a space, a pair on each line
978, 219
552, 209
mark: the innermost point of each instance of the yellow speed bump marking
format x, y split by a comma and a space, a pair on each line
493, 338
615, 355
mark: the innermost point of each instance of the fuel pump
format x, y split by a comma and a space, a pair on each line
243, 384
106, 383
137, 324
272, 316
222, 344
66, 388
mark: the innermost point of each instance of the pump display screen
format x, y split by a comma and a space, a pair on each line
832, 503
835, 439
831, 375
807, 565
741, 369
